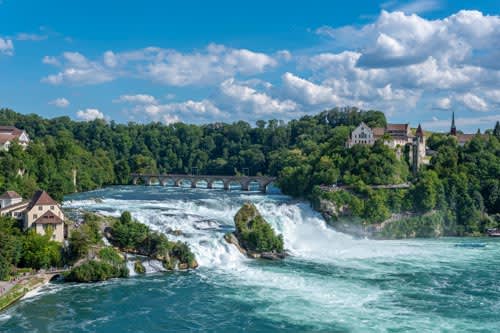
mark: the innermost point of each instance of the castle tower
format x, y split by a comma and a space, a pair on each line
418, 150
453, 130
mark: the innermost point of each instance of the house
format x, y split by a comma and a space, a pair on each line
12, 205
9, 134
41, 213
394, 135
399, 135
44, 213
9, 198
362, 134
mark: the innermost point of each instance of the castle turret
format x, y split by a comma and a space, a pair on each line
418, 148
420, 133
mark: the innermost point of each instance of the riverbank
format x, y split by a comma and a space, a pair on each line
12, 291
329, 283
389, 214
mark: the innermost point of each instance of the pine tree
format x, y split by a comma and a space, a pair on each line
496, 131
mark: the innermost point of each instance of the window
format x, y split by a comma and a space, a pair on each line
35, 216
51, 207
40, 207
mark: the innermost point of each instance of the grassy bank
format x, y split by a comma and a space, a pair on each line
21, 289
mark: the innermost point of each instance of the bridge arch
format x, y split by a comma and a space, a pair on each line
216, 183
200, 183
184, 182
233, 184
254, 185
246, 183
153, 180
167, 181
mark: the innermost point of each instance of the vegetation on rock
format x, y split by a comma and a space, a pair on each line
254, 234
139, 267
135, 237
94, 270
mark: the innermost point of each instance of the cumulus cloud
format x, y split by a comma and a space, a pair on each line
60, 102
399, 63
89, 114
405, 58
77, 69
170, 119
493, 95
474, 102
138, 98
6, 46
443, 103
150, 108
397, 39
50, 61
308, 92
246, 99
213, 65
203, 108
166, 66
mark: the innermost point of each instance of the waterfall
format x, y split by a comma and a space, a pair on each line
201, 218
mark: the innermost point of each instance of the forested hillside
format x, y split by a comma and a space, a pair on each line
105, 153
462, 183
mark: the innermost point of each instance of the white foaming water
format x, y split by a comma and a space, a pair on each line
151, 266
203, 222
311, 286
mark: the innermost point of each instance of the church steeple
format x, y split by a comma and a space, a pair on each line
419, 133
453, 130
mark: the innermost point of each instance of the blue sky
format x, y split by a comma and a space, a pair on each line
201, 61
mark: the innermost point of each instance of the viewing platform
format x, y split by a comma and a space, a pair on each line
334, 188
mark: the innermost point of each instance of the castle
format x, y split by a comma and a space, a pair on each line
395, 136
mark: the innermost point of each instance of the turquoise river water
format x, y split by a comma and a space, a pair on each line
330, 283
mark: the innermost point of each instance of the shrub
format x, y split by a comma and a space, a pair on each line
93, 271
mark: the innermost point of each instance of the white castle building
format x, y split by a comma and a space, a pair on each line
395, 136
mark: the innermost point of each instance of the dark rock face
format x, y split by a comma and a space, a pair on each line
254, 237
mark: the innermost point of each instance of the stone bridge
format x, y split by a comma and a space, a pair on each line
204, 181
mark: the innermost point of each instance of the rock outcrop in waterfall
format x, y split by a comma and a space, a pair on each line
254, 236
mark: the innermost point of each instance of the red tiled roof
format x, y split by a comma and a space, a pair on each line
10, 195
465, 137
9, 133
397, 127
378, 131
41, 198
6, 138
48, 218
10, 129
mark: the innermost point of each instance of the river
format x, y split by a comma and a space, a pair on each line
330, 283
